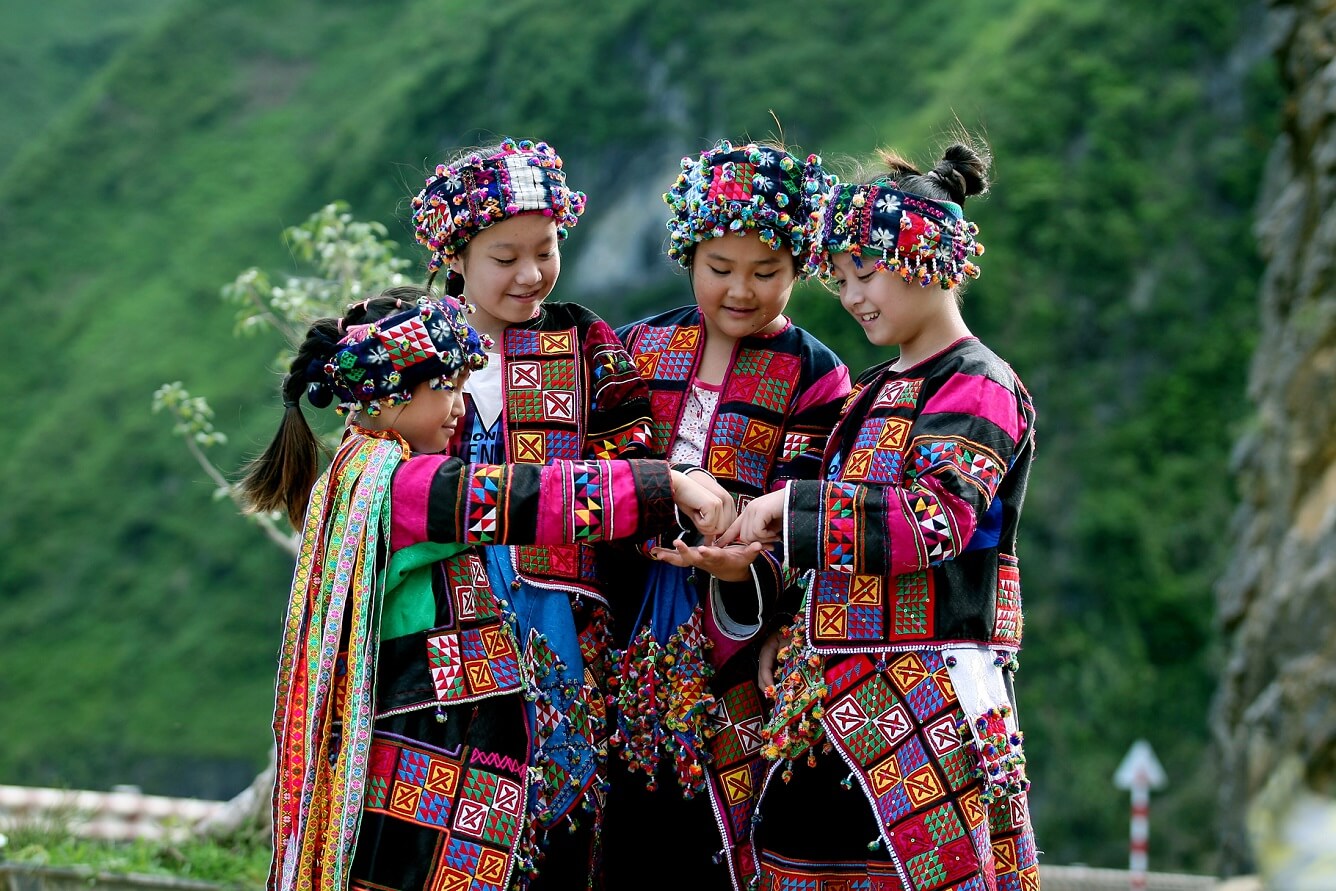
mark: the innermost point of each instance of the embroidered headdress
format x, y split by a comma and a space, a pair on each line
924, 240
462, 199
378, 364
749, 187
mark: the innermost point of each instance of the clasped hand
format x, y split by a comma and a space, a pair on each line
712, 511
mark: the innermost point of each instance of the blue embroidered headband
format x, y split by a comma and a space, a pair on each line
749, 187
924, 240
379, 364
462, 199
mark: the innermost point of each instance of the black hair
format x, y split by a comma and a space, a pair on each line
281, 477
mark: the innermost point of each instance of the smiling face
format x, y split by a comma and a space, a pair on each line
428, 420
509, 269
893, 312
741, 285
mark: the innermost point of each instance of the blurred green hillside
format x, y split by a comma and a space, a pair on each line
140, 617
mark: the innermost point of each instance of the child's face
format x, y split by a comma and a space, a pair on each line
741, 285
509, 269
890, 310
428, 420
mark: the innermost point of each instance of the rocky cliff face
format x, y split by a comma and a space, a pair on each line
1275, 714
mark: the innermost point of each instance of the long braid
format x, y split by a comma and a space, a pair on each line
282, 476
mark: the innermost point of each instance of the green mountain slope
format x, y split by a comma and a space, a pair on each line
141, 617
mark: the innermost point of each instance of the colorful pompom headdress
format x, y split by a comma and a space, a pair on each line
462, 199
379, 364
751, 187
926, 241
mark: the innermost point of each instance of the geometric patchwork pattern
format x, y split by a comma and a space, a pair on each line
1008, 625
913, 607
895, 723
974, 463
899, 394
840, 537
934, 525
736, 720
408, 343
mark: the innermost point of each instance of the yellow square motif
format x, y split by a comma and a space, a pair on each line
684, 339
884, 776
866, 589
737, 785
923, 786
442, 777
530, 447
554, 342
893, 434
857, 466
830, 621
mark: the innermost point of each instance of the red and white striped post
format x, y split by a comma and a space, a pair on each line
1139, 772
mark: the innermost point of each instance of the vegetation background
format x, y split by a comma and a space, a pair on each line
152, 149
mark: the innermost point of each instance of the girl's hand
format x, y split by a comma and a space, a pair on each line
768, 661
709, 507
761, 520
726, 564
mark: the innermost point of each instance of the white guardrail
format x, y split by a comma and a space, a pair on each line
121, 815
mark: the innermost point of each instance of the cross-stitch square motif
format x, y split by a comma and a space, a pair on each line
751, 467
653, 339
913, 605
647, 364
446, 665
773, 393
404, 800
926, 699
886, 467
913, 838
894, 804
559, 405
794, 445
924, 786
741, 388
528, 446
865, 622
858, 467
907, 671
525, 375
526, 405
684, 339
899, 394
562, 444
893, 433
943, 823
831, 622
559, 374
736, 721
433, 809
521, 342
554, 342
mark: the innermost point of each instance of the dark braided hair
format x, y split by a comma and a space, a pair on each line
282, 476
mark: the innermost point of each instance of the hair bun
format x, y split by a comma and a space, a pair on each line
962, 172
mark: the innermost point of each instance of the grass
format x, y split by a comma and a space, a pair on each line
239, 862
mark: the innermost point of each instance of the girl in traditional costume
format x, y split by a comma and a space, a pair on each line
897, 759
738, 389
403, 685
558, 386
